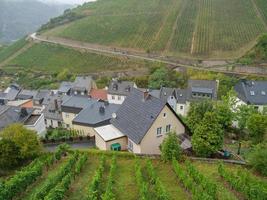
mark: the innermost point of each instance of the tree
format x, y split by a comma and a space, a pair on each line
224, 110
25, 139
196, 113
162, 77
242, 114
64, 75
257, 127
170, 148
208, 135
258, 158
9, 154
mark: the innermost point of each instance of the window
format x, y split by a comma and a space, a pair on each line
168, 128
119, 97
263, 93
67, 115
45, 121
159, 131
181, 107
113, 97
130, 145
164, 115
252, 93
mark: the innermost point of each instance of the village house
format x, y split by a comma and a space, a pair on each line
26, 94
119, 90
65, 88
140, 125
9, 94
180, 99
253, 93
12, 114
82, 85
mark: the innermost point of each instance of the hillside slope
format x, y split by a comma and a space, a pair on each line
20, 17
206, 29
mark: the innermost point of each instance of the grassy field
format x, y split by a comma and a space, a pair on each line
54, 58
125, 185
186, 28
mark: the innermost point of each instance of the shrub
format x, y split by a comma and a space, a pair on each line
170, 148
258, 158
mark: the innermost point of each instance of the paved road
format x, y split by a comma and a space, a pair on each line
135, 55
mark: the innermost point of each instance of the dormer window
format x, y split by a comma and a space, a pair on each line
263, 93
252, 93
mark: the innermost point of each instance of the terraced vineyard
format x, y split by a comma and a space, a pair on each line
181, 28
93, 175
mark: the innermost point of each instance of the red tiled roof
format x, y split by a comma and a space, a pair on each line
99, 94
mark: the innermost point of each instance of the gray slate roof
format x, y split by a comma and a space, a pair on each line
65, 87
137, 114
97, 114
10, 93
202, 86
12, 114
74, 104
26, 94
53, 108
252, 92
122, 88
82, 83
41, 94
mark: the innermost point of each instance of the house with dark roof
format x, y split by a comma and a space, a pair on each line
52, 111
180, 99
144, 120
82, 85
39, 98
252, 93
9, 94
65, 88
26, 94
13, 114
119, 90
95, 115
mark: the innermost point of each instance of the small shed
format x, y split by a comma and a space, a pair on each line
110, 138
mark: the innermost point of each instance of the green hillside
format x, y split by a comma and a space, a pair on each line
50, 58
180, 28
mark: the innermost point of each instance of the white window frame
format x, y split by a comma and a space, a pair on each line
168, 128
159, 131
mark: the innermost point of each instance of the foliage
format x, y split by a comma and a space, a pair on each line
109, 193
258, 158
196, 113
61, 150
52, 181
208, 135
94, 187
245, 183
64, 75
170, 148
163, 77
22, 179
242, 114
25, 139
141, 184
60, 133
224, 110
198, 192
161, 192
102, 82
9, 154
257, 127
58, 192
209, 186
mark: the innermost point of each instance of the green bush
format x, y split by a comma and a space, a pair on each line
170, 148
258, 158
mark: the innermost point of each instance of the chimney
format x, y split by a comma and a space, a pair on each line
56, 104
145, 95
102, 109
23, 112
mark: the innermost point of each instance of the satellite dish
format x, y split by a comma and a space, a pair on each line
114, 115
